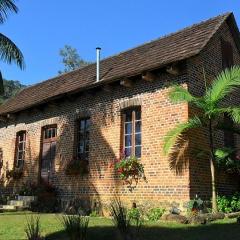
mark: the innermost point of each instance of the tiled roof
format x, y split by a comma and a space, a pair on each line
174, 47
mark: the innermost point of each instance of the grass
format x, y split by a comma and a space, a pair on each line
12, 228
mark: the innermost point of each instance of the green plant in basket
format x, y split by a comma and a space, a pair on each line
130, 169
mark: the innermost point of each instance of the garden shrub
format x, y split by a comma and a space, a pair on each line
134, 214
228, 204
154, 214
46, 199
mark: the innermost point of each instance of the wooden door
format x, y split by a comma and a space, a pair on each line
48, 152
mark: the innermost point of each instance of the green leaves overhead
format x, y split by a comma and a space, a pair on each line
180, 94
7, 6
174, 134
224, 84
9, 52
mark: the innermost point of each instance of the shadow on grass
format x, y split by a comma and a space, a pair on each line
219, 231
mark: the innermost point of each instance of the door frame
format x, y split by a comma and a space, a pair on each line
41, 147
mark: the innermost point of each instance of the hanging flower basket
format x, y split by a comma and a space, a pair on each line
77, 167
130, 170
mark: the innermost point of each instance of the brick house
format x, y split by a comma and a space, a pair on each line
72, 115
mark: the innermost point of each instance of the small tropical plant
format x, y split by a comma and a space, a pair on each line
195, 205
76, 226
211, 111
33, 230
155, 214
130, 169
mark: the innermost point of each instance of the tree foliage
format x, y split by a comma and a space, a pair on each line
71, 60
9, 52
11, 88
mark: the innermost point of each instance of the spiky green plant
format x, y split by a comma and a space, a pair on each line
119, 214
75, 226
9, 52
32, 229
211, 111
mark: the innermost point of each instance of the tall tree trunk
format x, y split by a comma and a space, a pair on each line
212, 167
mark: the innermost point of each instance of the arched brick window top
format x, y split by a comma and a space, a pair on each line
20, 149
82, 114
128, 103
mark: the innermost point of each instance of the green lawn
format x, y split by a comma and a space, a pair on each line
12, 228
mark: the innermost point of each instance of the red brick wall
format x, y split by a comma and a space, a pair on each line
168, 182
158, 116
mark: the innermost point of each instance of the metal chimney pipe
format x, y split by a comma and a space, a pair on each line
98, 49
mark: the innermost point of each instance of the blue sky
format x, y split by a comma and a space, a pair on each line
43, 27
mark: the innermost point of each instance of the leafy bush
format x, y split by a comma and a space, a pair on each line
46, 199
3, 199
134, 214
154, 214
32, 229
228, 204
75, 226
28, 189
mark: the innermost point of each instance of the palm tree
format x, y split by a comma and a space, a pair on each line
211, 111
9, 52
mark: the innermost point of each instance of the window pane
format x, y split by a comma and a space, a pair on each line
21, 137
138, 126
81, 147
128, 116
87, 124
128, 128
128, 152
54, 132
128, 140
138, 115
138, 151
20, 155
138, 140
82, 125
20, 146
20, 163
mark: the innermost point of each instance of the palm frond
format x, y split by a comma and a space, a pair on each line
9, 52
172, 136
232, 112
227, 127
224, 84
7, 6
180, 94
